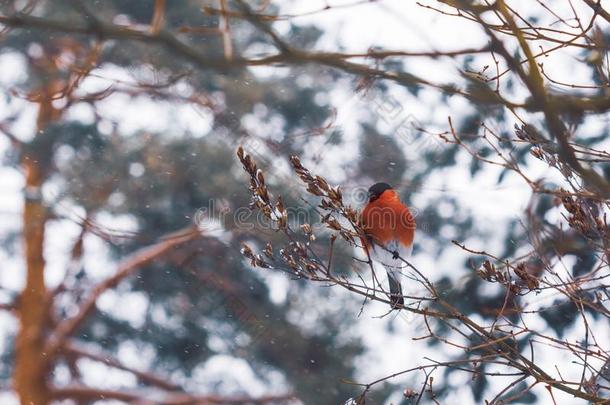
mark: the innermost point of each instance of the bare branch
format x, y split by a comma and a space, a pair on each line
145, 377
84, 393
125, 268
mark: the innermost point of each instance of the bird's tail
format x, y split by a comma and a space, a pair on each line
394, 276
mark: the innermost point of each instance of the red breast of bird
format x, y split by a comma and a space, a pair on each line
389, 227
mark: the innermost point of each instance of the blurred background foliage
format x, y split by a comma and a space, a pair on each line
204, 300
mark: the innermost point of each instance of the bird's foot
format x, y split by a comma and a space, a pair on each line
395, 255
396, 301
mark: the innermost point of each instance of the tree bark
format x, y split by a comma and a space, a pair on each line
31, 364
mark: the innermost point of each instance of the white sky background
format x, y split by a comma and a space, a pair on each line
391, 24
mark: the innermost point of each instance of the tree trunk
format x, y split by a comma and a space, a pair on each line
31, 365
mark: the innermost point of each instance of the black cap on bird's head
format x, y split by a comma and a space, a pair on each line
377, 189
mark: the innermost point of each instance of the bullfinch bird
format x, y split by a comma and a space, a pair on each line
389, 230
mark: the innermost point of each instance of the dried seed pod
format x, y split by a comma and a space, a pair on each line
530, 280
268, 250
313, 189
306, 229
321, 182
246, 251
537, 152
333, 224
409, 393
255, 260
